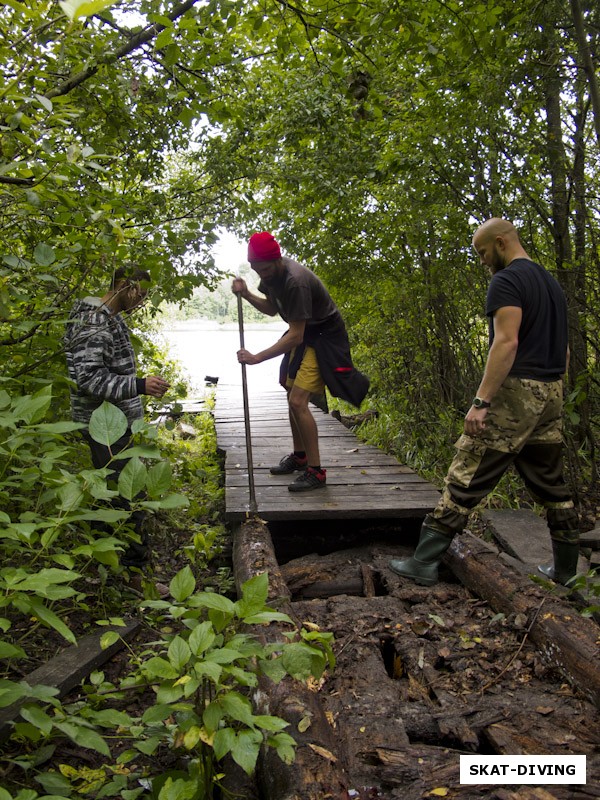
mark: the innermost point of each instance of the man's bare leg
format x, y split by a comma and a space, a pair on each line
304, 427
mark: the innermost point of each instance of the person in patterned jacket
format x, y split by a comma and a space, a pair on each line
101, 364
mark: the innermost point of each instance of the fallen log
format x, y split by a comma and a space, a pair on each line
566, 640
317, 773
327, 576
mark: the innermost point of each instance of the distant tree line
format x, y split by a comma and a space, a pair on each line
216, 304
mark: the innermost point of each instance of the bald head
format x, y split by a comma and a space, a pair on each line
496, 227
497, 243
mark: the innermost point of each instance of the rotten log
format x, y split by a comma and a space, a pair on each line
352, 586
327, 576
451, 722
566, 640
316, 773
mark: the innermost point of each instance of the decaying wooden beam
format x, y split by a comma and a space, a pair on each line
253, 554
67, 669
368, 581
449, 718
317, 773
567, 640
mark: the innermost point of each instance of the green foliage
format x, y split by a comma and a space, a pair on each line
47, 538
201, 675
371, 138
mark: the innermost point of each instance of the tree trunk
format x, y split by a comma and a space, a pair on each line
316, 773
587, 63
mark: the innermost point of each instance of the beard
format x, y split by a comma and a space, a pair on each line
498, 261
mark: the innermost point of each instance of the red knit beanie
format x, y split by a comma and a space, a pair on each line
263, 247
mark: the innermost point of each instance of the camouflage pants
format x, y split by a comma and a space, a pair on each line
524, 428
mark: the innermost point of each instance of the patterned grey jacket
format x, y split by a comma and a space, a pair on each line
101, 361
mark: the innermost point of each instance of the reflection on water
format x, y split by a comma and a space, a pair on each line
206, 348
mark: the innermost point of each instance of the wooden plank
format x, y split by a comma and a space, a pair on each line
67, 669
362, 481
381, 476
524, 535
591, 538
358, 458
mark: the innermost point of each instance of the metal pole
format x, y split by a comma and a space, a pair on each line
253, 506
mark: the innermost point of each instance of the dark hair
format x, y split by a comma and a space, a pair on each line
129, 273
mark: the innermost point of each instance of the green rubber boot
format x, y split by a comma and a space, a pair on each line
564, 569
422, 566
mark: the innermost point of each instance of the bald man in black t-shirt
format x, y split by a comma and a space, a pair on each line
516, 416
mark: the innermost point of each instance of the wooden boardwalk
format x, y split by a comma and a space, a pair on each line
362, 481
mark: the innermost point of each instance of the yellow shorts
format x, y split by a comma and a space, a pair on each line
308, 376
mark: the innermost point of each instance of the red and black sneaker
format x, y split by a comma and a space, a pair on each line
289, 464
310, 479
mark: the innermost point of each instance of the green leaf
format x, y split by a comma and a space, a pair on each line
107, 424
254, 595
201, 638
223, 742
84, 737
11, 692
156, 713
264, 617
108, 639
183, 584
269, 723
44, 255
212, 600
179, 653
48, 617
71, 496
159, 479
84, 8
39, 581
8, 650
37, 717
237, 707
109, 718
301, 660
285, 747
169, 503
246, 749
32, 408
60, 427
132, 478
157, 667
148, 747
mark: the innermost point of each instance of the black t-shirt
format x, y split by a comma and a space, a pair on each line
543, 336
300, 295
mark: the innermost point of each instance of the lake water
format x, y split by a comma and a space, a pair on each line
207, 348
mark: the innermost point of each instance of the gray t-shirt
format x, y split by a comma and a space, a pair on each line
300, 295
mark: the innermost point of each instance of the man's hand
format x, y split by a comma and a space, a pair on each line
245, 357
156, 386
475, 421
239, 286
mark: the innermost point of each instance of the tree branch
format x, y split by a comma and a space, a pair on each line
587, 63
134, 43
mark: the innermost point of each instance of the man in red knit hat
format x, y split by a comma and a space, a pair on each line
315, 350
